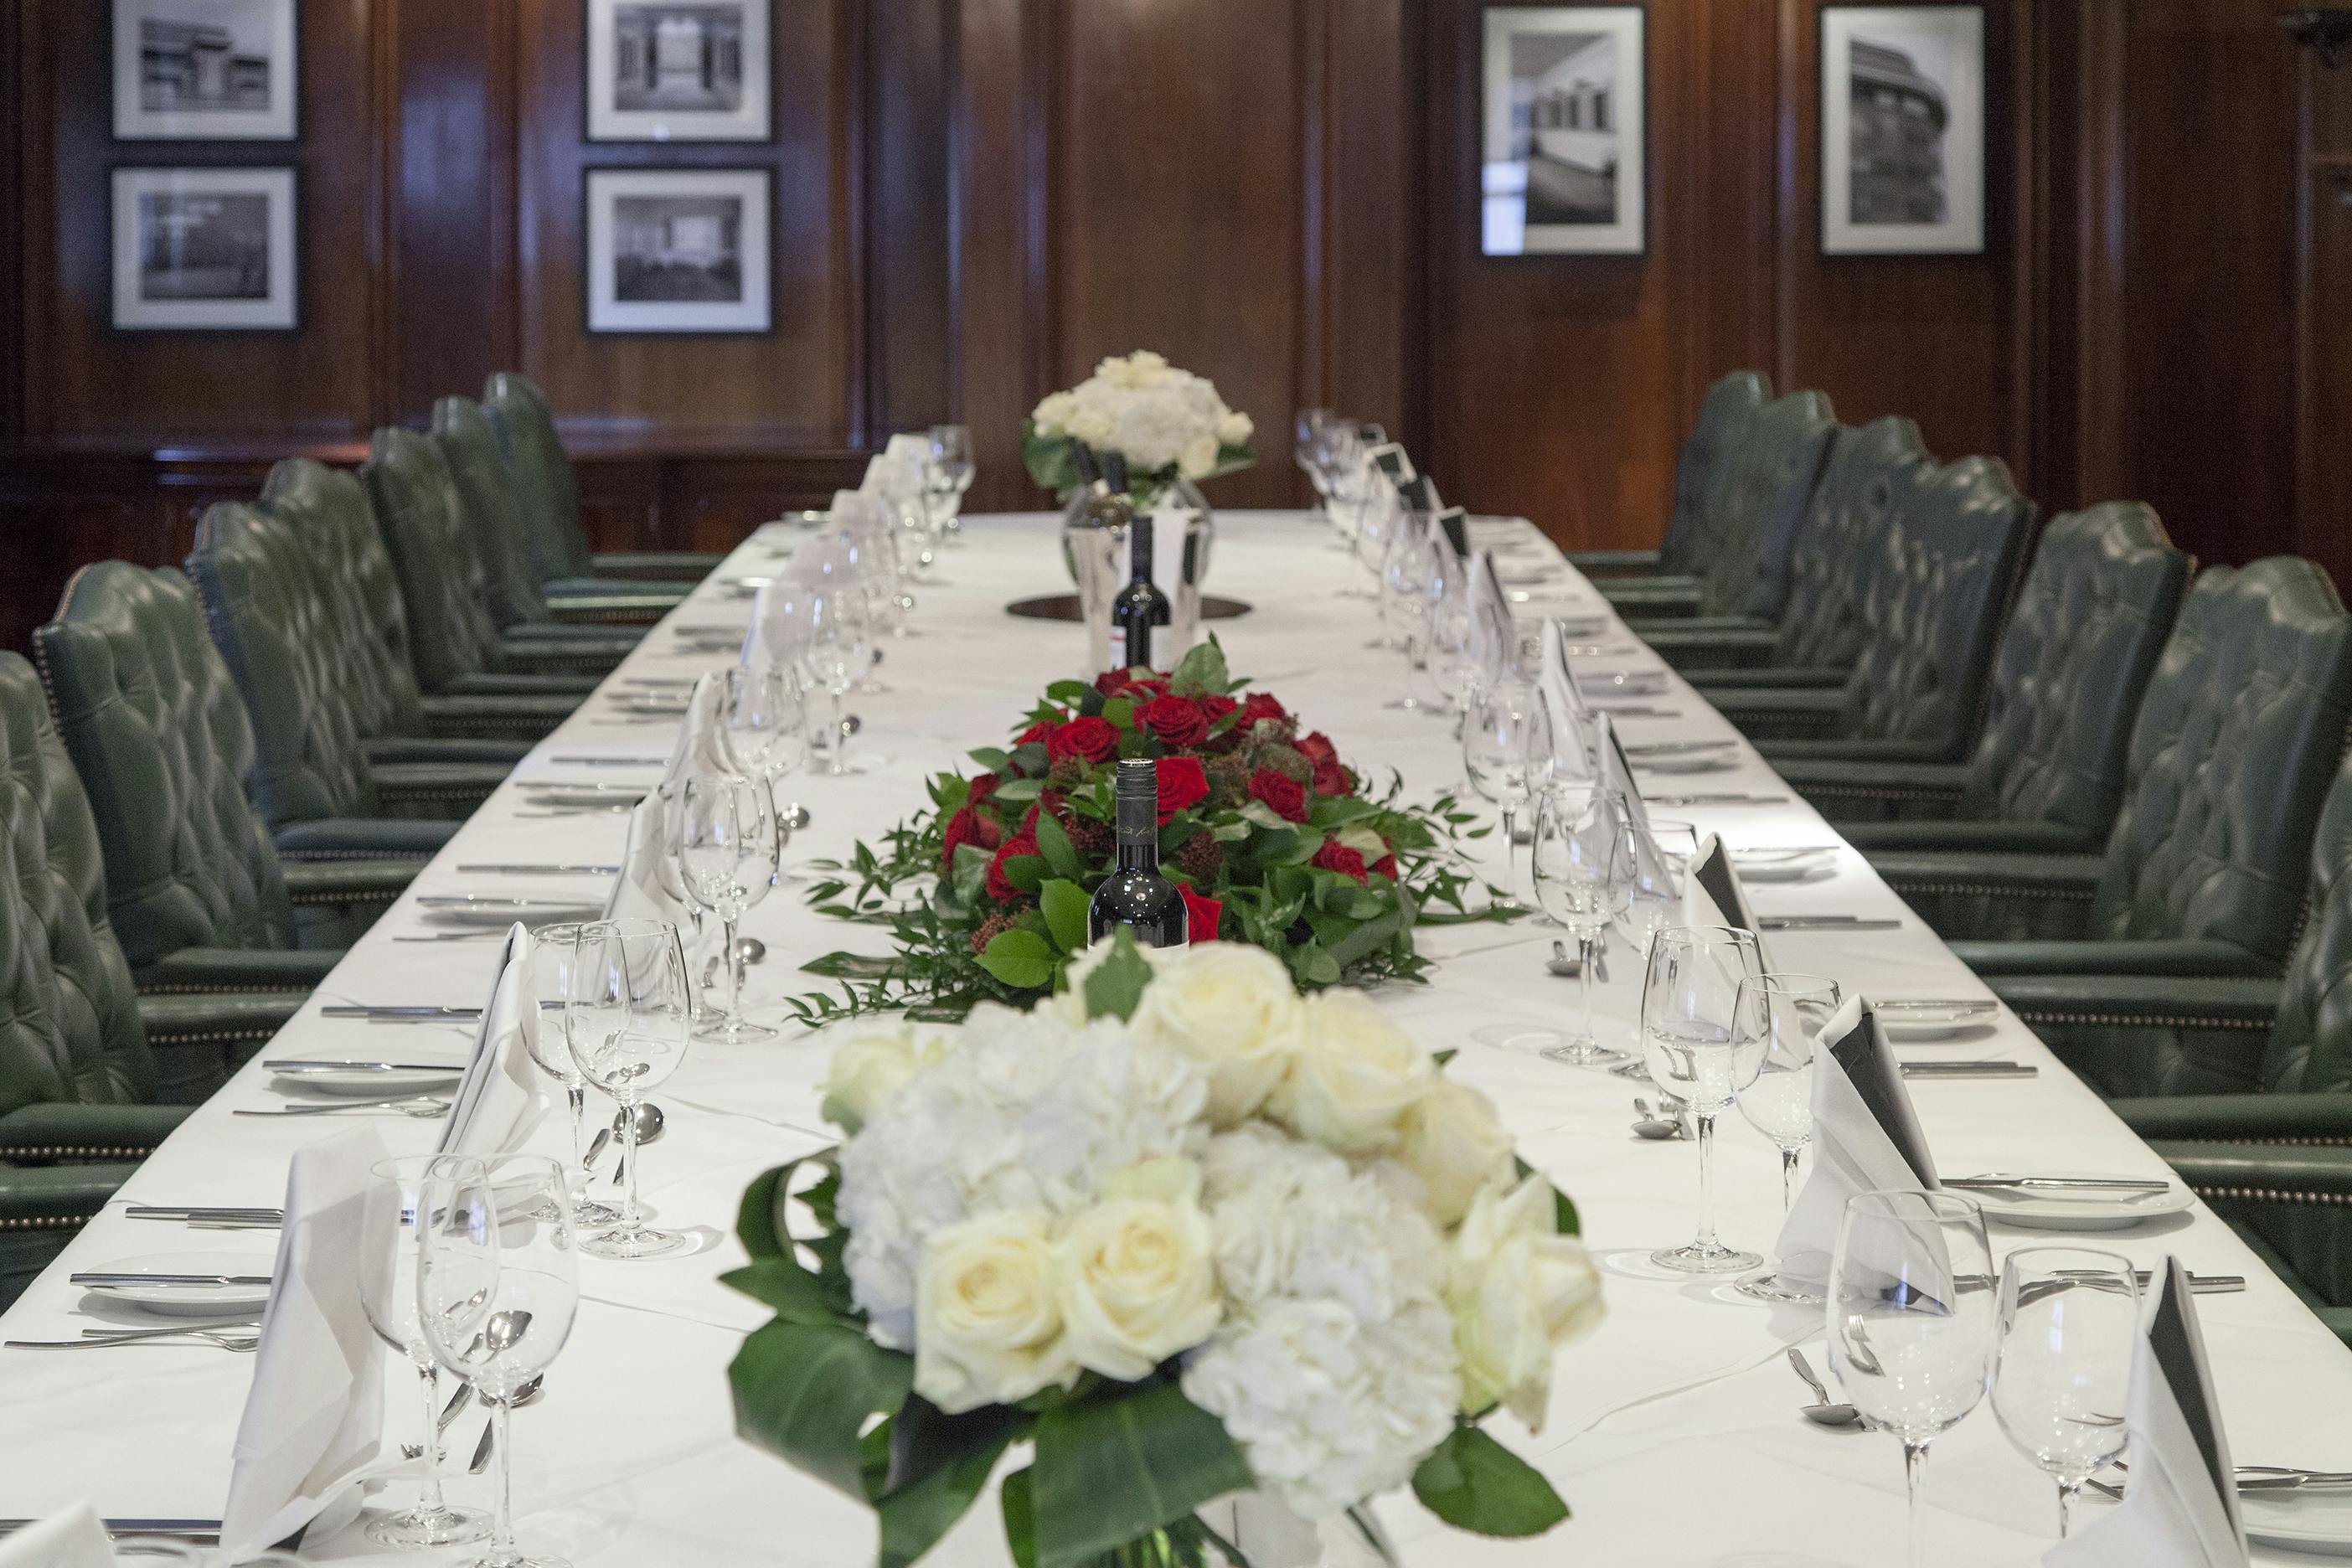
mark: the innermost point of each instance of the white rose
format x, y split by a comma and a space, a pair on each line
1235, 429
873, 1065
1456, 1145
988, 1326
1356, 1076
1518, 1291
1199, 458
1231, 1007
1092, 425
1148, 364
1052, 416
1136, 1280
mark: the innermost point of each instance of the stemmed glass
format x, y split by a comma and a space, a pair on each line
1502, 733
836, 652
1661, 870
949, 474
554, 951
632, 1013
1778, 1021
1911, 1312
387, 1286
1582, 865
498, 1285
1402, 580
763, 722
1377, 519
728, 842
1690, 1001
2069, 1322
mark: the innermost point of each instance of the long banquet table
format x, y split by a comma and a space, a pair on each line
1674, 1432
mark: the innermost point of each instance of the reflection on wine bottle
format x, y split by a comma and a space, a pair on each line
1140, 606
1136, 895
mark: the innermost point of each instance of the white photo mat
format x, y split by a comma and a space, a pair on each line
134, 311
1946, 44
133, 121
608, 311
1620, 39
749, 120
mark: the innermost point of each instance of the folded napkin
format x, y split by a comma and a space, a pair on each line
700, 747
1867, 1138
2180, 1506
73, 1538
1494, 636
1617, 773
502, 1096
643, 890
1711, 895
1571, 718
316, 1407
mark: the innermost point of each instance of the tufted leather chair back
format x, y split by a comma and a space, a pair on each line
2230, 757
1850, 515
2081, 643
1757, 492
1694, 532
441, 572
160, 736
328, 512
72, 1032
270, 616
2310, 1046
1931, 593
492, 512
543, 481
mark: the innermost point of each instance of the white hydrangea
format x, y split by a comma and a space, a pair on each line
1149, 412
1030, 1111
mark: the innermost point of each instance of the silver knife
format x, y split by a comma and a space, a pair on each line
541, 871
1969, 1069
1635, 711
104, 1278
305, 1067
1926, 1004
2213, 1283
162, 1211
613, 762
1832, 922
2068, 1184
390, 1010
200, 1532
1716, 799
1678, 748
482, 935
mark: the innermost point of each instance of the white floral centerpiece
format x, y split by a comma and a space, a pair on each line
1186, 1232
1170, 425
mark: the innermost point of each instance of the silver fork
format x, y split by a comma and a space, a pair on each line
94, 1339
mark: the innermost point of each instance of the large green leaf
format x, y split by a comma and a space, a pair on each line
806, 1390
1115, 987
995, 759
759, 1222
1117, 1466
1474, 1483
1019, 958
797, 1295
1026, 872
1060, 853
1020, 1517
938, 1464
1202, 670
1065, 905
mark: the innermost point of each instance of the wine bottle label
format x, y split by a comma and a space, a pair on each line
1118, 648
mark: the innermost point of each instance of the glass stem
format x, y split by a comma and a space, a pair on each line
1511, 851
1586, 949
1915, 1489
631, 1221
840, 729
577, 1093
1706, 1242
2066, 1493
502, 1545
734, 975
1789, 1158
428, 1497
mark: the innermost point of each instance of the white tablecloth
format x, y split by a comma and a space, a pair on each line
1674, 1434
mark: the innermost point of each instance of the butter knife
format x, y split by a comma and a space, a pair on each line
1716, 799
104, 1280
1825, 922
295, 1067
2063, 1183
1969, 1069
199, 1532
541, 871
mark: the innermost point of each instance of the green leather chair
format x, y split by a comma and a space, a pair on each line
1669, 580
2230, 763
635, 586
2047, 774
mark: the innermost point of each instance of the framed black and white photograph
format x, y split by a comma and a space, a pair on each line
204, 70
678, 250
205, 250
1903, 129
677, 71
1563, 150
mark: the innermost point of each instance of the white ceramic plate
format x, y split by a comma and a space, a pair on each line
1795, 868
190, 1301
1935, 1022
365, 1081
583, 793
2043, 1210
2318, 1521
457, 909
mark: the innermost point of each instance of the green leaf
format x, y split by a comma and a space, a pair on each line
1068, 691
1474, 1483
1115, 987
760, 1218
1112, 1469
994, 759
971, 863
805, 1392
1020, 1517
1026, 872
1447, 1055
1020, 791
1314, 966
1563, 1213
1120, 711
1019, 958
852, 966
796, 1294
1060, 853
938, 1464
1031, 758
1202, 670
1065, 905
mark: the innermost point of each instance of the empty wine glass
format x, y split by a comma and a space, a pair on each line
553, 951
1911, 1312
1690, 1001
763, 722
1377, 517
498, 1287
836, 652
2068, 1325
728, 843
387, 1285
1778, 1020
631, 1011
1661, 871
950, 472
1582, 864
1502, 732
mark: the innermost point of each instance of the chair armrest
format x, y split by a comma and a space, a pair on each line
2240, 1118
2142, 964
659, 565
1955, 837
2254, 1174
1667, 598
1774, 713
436, 789
520, 683
1995, 897
343, 882
445, 749
199, 1041
505, 717
237, 969
58, 1199
60, 1132
617, 641
1859, 751
566, 594
1870, 790
1615, 561
2157, 1028
362, 839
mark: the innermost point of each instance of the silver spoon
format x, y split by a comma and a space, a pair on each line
650, 1123
749, 950
1825, 1412
1651, 1126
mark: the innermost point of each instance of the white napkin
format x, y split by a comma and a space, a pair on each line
501, 1097
1494, 636
1572, 720
1867, 1138
73, 1538
2180, 1507
699, 748
312, 1419
1711, 895
641, 889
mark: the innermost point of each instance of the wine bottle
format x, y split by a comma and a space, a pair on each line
1136, 895
1140, 606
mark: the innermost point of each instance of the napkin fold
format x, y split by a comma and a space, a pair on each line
1572, 737
74, 1539
1494, 635
316, 1407
642, 889
501, 1098
1867, 1138
2180, 1507
700, 747
1712, 894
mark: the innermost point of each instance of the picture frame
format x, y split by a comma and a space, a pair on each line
677, 70
1563, 131
672, 250
205, 250
1903, 129
207, 71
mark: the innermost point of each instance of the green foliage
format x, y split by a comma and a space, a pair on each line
1474, 1483
1110, 1469
1115, 987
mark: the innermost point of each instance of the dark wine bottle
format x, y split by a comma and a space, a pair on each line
1136, 895
1140, 606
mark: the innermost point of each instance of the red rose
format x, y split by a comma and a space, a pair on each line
1337, 857
1112, 682
1385, 865
968, 827
1330, 778
1261, 705
982, 786
999, 887
1201, 915
1216, 705
1051, 800
1095, 740
1316, 748
1043, 730
1177, 721
1284, 796
1183, 783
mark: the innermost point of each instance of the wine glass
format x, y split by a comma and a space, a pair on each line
1377, 517
2061, 1366
950, 472
1407, 572
1581, 861
1690, 1001
728, 842
1661, 871
1911, 1314
1307, 447
387, 1287
837, 651
498, 1285
632, 1013
554, 951
1502, 732
1778, 1020
763, 722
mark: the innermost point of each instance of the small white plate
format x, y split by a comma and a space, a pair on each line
1789, 871
1935, 1022
584, 794
457, 909
2043, 1210
2318, 1521
1683, 764
190, 1301
359, 1080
